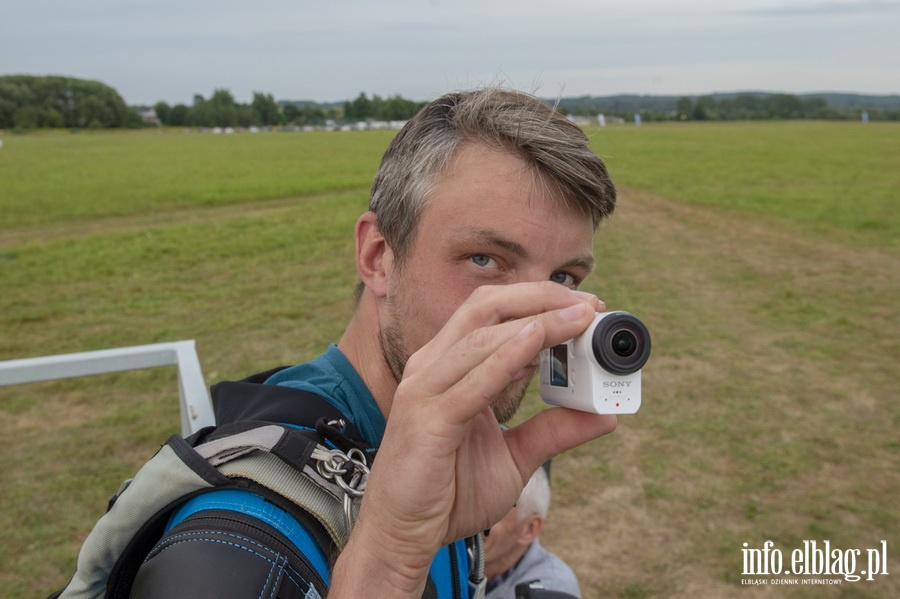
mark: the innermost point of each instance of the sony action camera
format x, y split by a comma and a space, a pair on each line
600, 370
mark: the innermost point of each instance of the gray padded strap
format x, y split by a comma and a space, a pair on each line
320, 497
228, 448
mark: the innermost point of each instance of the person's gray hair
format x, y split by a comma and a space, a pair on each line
535, 497
556, 149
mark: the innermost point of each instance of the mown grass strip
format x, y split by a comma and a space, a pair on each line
821, 175
71, 177
769, 410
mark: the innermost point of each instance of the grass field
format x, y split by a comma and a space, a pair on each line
763, 257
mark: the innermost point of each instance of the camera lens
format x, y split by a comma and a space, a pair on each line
624, 343
621, 343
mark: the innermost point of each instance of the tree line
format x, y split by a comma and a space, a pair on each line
771, 107
38, 102
725, 108
221, 110
31, 102
377, 108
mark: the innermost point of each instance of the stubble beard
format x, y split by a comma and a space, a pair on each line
393, 348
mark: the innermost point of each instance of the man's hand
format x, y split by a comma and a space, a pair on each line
445, 469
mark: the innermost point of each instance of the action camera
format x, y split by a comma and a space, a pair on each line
600, 370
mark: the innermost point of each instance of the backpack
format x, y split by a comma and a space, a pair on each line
276, 495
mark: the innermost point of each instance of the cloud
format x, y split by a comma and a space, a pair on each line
170, 49
814, 9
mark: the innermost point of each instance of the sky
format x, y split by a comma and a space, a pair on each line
331, 51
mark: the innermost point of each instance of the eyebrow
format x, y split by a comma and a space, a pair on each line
491, 237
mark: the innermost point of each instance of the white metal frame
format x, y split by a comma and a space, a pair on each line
195, 403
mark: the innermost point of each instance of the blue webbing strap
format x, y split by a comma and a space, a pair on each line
251, 504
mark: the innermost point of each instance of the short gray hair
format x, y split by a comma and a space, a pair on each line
556, 149
535, 497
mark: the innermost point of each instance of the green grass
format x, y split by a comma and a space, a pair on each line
61, 177
823, 175
770, 399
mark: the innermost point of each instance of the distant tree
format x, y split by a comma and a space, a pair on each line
747, 106
179, 116
219, 111
223, 110
80, 103
313, 116
94, 113
396, 108
53, 119
163, 112
684, 108
814, 108
7, 110
28, 117
783, 106
265, 109
704, 109
14, 94
291, 114
199, 116
359, 109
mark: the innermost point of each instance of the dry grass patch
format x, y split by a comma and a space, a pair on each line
770, 406
770, 400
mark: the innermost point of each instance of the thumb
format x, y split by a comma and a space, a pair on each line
552, 432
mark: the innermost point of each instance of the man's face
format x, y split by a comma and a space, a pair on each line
489, 222
506, 542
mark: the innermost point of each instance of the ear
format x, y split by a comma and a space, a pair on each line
374, 258
531, 530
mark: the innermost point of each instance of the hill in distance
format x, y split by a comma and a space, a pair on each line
636, 103
666, 103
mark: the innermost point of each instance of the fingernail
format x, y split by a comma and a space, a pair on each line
528, 329
573, 312
584, 295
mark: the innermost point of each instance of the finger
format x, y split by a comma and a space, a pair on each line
454, 345
440, 371
479, 374
490, 305
552, 432
478, 387
463, 382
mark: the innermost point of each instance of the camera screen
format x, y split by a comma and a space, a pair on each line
559, 366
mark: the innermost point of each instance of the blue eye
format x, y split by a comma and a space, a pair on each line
564, 278
482, 260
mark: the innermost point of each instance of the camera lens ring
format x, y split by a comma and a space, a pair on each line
621, 343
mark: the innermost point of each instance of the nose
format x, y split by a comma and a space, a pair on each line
533, 274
